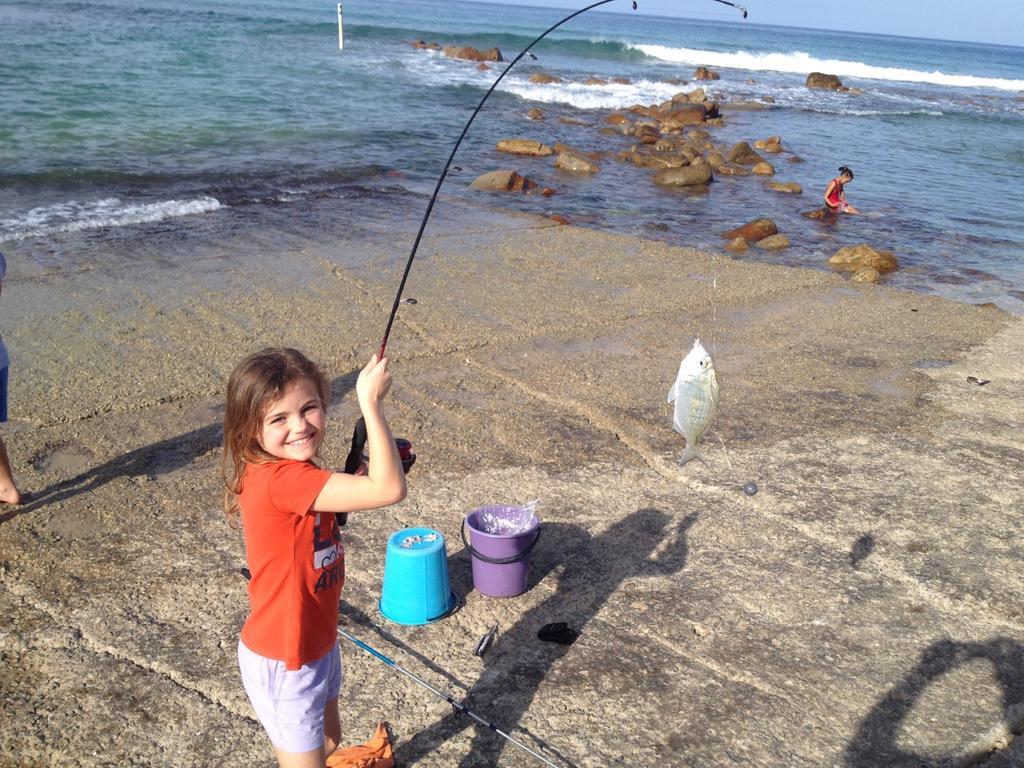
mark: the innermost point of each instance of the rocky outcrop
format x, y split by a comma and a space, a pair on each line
764, 168
703, 73
535, 114
867, 275
504, 180
696, 174
470, 53
773, 242
526, 147
853, 258
827, 82
681, 115
772, 144
753, 231
543, 78
575, 163
737, 245
742, 154
421, 45
786, 187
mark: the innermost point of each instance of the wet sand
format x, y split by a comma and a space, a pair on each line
864, 608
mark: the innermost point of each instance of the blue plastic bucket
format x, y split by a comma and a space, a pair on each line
416, 588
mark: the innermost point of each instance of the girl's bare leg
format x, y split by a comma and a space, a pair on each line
332, 726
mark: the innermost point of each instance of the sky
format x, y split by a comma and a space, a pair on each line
982, 21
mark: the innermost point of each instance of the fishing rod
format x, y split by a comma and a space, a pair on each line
459, 708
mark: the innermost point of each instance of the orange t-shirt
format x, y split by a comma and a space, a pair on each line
296, 560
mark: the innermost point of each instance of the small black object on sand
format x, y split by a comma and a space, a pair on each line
558, 632
750, 489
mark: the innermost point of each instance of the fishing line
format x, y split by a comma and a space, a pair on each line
459, 708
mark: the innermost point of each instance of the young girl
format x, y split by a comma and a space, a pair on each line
835, 195
288, 650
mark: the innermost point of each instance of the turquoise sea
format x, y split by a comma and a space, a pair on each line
123, 118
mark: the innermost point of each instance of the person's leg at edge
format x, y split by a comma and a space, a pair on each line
9, 493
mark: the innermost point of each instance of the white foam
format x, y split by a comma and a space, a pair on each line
803, 63
581, 96
74, 216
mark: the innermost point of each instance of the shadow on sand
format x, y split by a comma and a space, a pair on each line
152, 460
593, 568
876, 742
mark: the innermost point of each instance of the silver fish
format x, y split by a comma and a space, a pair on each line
695, 394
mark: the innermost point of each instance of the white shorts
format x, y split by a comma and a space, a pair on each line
290, 703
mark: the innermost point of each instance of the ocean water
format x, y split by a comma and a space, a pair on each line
122, 119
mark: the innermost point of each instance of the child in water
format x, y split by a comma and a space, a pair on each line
274, 425
835, 195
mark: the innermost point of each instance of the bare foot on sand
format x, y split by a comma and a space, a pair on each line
9, 495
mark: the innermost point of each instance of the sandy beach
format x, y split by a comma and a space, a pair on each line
864, 608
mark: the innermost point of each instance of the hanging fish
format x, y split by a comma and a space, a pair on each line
695, 395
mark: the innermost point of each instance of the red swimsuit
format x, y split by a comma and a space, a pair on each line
835, 198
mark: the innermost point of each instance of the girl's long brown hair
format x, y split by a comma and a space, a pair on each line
256, 382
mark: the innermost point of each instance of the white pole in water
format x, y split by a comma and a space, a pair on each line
341, 35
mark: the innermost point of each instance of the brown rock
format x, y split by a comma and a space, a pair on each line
787, 187
737, 245
592, 156
753, 231
727, 169
568, 161
595, 81
423, 46
796, 159
772, 144
622, 81
470, 53
682, 115
715, 159
867, 275
693, 175
572, 121
525, 147
821, 80
703, 73
482, 66
503, 181
853, 258
773, 242
536, 114
818, 213
543, 78
558, 219
660, 160
742, 154
764, 168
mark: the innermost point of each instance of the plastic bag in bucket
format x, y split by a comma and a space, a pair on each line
500, 541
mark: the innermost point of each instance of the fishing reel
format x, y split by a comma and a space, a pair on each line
357, 460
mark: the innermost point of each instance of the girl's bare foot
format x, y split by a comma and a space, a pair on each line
9, 495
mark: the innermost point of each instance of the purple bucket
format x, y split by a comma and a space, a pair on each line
501, 562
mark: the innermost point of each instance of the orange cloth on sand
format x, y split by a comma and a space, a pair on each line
376, 753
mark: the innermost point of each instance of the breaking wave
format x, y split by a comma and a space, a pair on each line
110, 212
802, 63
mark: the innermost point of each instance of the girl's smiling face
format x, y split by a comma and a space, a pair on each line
293, 425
